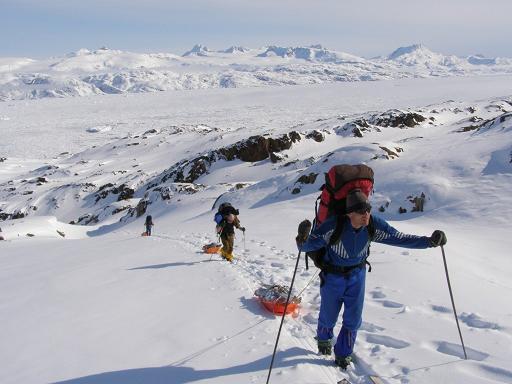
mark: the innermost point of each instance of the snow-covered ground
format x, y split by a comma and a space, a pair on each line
98, 303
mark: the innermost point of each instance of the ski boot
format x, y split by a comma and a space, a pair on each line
343, 362
324, 347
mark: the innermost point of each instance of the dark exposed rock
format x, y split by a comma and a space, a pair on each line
402, 210
276, 157
120, 209
308, 179
316, 135
279, 144
390, 154
123, 191
2, 159
141, 207
294, 136
487, 124
295, 191
395, 118
357, 132
255, 148
357, 127
61, 233
86, 219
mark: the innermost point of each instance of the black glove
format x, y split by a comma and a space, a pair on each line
438, 238
303, 231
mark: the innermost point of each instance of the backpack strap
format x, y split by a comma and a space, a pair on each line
371, 235
338, 230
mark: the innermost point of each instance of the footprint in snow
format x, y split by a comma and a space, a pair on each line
391, 304
387, 341
456, 350
377, 294
441, 309
277, 265
475, 321
369, 327
485, 371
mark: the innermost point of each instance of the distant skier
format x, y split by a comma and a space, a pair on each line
227, 220
346, 238
149, 225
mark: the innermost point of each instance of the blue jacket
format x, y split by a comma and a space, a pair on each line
354, 245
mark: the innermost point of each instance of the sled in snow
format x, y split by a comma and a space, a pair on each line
273, 298
212, 248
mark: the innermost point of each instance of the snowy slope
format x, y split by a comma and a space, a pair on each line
107, 71
97, 303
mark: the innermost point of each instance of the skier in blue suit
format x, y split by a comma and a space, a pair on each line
346, 240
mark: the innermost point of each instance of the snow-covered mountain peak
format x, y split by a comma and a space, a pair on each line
419, 55
236, 49
197, 50
108, 71
415, 49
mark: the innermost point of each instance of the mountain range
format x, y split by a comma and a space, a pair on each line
108, 71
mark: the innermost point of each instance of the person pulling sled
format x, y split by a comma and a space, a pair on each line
339, 245
227, 220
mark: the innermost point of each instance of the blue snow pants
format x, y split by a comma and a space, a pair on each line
335, 292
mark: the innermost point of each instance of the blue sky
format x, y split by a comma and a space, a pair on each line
38, 28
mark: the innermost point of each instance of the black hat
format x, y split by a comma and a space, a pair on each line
357, 200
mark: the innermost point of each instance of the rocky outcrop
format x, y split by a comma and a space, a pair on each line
397, 119
86, 219
316, 135
123, 192
253, 149
487, 124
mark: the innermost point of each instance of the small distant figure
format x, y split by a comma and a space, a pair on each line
227, 220
419, 203
1, 237
149, 224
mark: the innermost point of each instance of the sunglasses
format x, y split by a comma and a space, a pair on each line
364, 210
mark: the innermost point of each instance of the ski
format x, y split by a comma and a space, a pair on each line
376, 380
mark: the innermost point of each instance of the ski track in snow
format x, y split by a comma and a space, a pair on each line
255, 272
251, 263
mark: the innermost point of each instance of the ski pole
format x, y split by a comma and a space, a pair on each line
453, 303
282, 318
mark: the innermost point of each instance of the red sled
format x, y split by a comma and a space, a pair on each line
278, 308
212, 248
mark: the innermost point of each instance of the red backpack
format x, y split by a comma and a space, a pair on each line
339, 181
